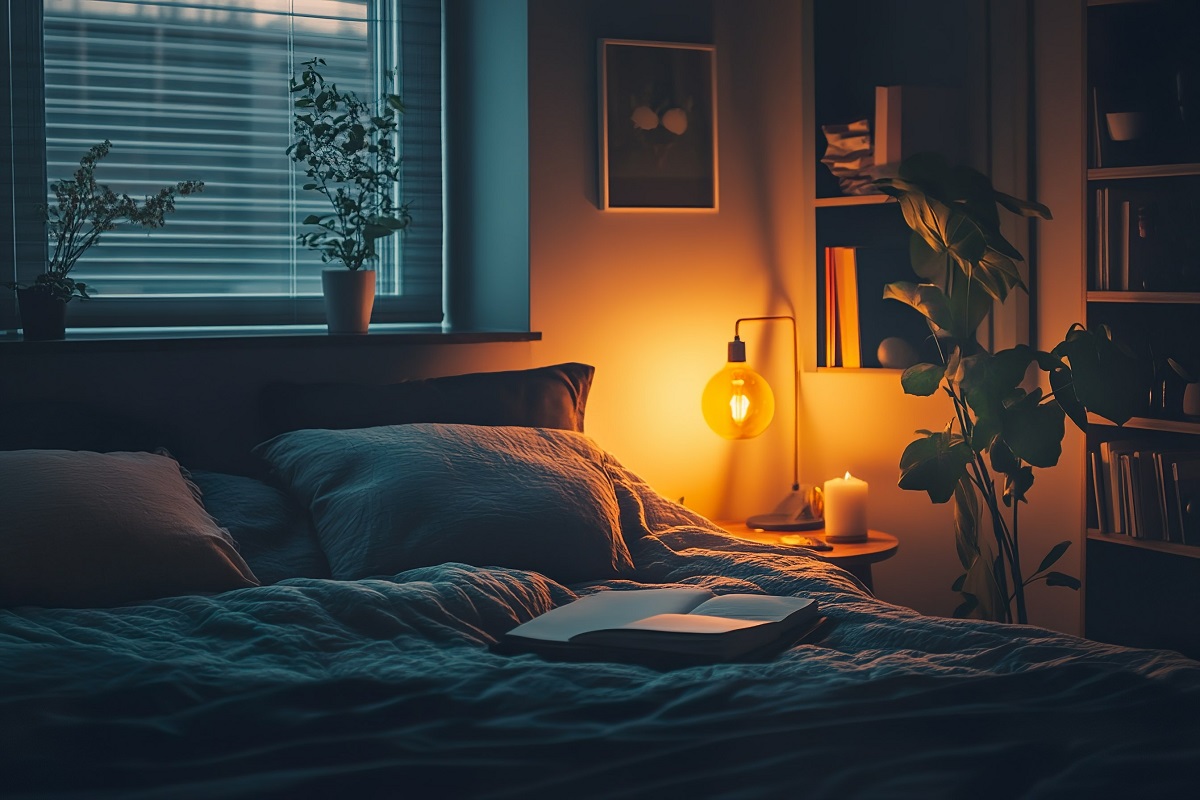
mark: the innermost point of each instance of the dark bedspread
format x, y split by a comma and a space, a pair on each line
388, 688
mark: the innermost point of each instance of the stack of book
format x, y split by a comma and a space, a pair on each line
862, 328
1145, 492
842, 345
1145, 239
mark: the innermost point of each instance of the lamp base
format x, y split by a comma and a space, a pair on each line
794, 513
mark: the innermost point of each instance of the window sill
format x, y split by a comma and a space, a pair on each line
96, 340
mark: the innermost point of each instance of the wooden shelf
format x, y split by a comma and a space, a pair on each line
1174, 548
862, 370
1148, 171
1184, 426
851, 200
1176, 298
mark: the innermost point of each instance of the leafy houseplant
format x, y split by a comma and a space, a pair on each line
347, 149
83, 211
984, 459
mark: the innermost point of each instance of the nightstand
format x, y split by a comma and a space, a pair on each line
854, 558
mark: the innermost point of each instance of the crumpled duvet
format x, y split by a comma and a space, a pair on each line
389, 687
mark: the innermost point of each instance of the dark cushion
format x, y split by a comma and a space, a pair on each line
83, 529
271, 529
393, 498
542, 397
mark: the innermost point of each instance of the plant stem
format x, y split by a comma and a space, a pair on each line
1015, 566
1006, 540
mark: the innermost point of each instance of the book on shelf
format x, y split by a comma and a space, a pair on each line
648, 625
1097, 510
1144, 239
858, 319
845, 266
1143, 491
833, 355
1187, 499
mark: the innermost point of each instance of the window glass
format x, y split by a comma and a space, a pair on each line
198, 90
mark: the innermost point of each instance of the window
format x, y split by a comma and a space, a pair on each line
198, 90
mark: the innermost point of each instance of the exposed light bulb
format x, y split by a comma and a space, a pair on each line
737, 402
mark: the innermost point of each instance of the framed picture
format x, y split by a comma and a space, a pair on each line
658, 126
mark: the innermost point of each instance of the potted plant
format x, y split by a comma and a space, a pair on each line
83, 210
347, 150
984, 458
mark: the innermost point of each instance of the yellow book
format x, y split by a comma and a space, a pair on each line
846, 287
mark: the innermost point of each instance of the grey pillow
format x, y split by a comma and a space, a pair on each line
271, 529
84, 529
392, 498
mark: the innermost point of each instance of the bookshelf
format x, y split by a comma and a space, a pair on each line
858, 46
1142, 549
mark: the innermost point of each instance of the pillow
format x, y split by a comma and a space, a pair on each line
543, 397
391, 498
272, 531
84, 529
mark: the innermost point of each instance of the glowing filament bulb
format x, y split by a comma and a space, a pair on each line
739, 404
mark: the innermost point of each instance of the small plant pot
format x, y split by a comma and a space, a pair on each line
43, 316
349, 298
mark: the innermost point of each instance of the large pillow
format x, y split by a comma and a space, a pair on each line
543, 397
83, 529
272, 531
391, 498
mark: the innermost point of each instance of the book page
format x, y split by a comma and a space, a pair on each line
760, 607
688, 623
608, 609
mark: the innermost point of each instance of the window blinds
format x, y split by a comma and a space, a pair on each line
198, 90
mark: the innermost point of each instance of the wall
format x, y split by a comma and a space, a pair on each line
1058, 496
650, 299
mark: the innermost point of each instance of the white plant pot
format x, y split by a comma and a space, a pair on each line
349, 297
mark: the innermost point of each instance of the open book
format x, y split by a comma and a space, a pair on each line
691, 623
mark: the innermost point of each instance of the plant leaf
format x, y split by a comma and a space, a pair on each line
1054, 555
1026, 208
1106, 378
967, 606
1034, 430
934, 464
927, 262
966, 523
1016, 484
1062, 579
922, 380
925, 298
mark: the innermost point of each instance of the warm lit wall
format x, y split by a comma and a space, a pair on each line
1058, 495
650, 299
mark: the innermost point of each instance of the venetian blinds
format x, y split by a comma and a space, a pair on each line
198, 90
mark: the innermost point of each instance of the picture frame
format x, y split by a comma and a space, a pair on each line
658, 126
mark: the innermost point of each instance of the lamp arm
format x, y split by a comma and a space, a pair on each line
795, 387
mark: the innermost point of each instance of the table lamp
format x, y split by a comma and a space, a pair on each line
738, 404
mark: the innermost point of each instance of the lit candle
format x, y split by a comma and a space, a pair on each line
845, 509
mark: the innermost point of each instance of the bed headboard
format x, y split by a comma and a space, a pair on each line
201, 398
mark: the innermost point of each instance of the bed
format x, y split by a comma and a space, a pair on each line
330, 627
